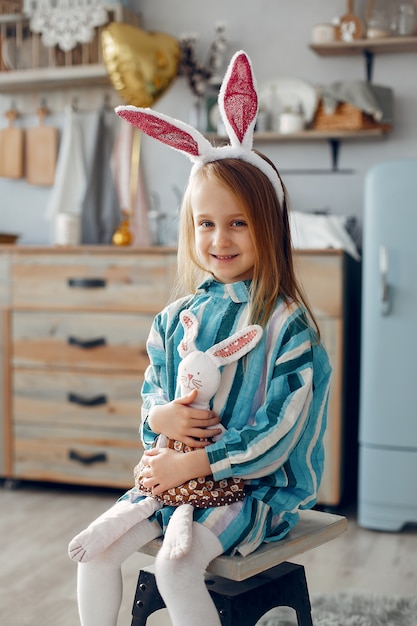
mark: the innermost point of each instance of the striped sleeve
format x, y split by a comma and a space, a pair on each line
154, 382
264, 446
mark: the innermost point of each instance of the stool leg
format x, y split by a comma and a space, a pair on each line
303, 607
244, 603
147, 599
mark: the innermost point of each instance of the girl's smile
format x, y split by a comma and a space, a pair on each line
223, 241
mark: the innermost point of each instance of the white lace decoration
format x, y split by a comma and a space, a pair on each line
65, 23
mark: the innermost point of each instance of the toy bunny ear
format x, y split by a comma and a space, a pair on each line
168, 130
190, 325
236, 346
238, 101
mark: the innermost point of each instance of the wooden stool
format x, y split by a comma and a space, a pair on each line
245, 588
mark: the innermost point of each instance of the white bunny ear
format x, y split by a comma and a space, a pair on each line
238, 101
190, 325
236, 346
168, 130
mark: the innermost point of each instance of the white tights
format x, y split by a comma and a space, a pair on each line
180, 581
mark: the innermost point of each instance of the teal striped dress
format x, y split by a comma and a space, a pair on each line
273, 403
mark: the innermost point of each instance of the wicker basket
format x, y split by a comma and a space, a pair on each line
30, 53
10, 6
345, 117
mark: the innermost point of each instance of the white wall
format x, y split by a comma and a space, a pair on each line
275, 33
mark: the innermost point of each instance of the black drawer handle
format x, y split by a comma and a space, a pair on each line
100, 457
87, 283
96, 401
86, 344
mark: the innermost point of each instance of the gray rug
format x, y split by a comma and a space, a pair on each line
350, 609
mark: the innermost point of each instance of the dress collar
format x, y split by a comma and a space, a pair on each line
237, 292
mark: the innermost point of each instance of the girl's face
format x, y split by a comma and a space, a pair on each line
223, 243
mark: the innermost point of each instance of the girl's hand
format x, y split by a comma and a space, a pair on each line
165, 468
177, 420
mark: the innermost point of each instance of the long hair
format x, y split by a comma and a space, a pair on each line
268, 223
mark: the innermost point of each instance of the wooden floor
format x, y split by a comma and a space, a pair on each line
37, 579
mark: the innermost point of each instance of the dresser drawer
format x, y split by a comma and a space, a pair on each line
92, 403
81, 282
65, 456
74, 428
81, 341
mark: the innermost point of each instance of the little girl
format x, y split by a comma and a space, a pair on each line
235, 260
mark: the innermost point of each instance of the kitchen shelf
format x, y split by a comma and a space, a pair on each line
320, 135
18, 81
367, 47
333, 137
309, 135
358, 46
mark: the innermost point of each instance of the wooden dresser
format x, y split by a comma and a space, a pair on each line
74, 326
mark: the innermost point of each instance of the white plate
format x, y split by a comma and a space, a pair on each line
281, 93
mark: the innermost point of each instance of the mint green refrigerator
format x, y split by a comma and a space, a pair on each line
387, 490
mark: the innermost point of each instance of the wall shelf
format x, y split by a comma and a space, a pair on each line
367, 47
358, 46
320, 135
20, 81
310, 135
333, 137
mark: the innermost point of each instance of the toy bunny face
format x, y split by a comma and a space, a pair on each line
198, 371
201, 370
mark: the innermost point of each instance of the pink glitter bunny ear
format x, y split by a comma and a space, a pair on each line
238, 101
168, 130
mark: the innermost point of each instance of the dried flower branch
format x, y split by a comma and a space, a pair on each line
198, 75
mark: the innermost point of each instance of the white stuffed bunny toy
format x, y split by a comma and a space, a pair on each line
198, 370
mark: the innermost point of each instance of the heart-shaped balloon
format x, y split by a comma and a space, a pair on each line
141, 65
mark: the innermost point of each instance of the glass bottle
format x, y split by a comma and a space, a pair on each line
378, 20
404, 20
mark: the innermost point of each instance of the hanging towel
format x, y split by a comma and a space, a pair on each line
70, 177
100, 213
130, 183
310, 231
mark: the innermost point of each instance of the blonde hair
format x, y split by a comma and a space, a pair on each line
268, 223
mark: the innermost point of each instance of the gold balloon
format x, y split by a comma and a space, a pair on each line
141, 65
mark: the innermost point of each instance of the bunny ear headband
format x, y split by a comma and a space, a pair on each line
238, 105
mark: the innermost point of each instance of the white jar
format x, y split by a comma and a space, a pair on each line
67, 230
290, 122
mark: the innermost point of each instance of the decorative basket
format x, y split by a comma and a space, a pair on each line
10, 6
21, 49
345, 117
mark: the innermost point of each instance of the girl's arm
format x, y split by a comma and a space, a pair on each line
165, 468
177, 420
293, 409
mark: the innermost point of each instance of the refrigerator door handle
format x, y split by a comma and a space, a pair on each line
385, 290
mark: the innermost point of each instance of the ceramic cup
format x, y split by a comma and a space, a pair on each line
323, 33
